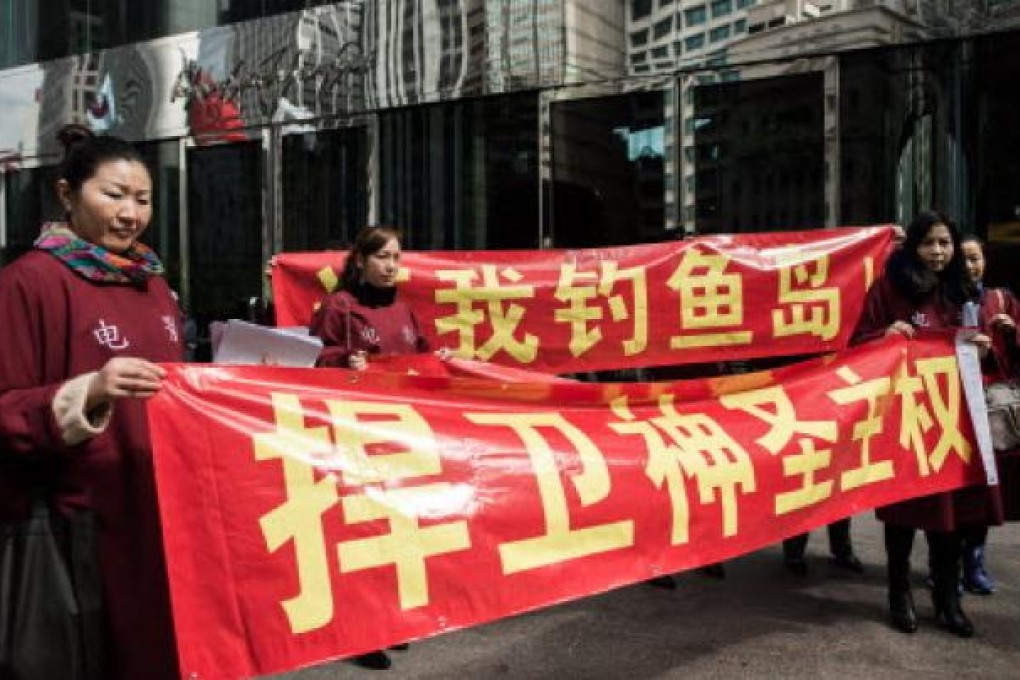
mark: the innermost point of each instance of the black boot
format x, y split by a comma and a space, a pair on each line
946, 548
666, 582
898, 543
839, 545
377, 660
793, 554
714, 570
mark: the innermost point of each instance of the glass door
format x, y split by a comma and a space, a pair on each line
225, 234
324, 188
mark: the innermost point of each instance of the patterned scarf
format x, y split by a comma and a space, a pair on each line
96, 263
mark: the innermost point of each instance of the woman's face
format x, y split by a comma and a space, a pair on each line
974, 259
380, 268
113, 207
936, 248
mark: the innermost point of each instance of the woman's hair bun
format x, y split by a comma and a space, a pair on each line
72, 135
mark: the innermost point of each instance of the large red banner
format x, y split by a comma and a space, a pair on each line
705, 299
311, 514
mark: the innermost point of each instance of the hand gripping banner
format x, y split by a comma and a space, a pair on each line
706, 299
311, 514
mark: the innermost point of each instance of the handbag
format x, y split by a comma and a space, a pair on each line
51, 623
1003, 399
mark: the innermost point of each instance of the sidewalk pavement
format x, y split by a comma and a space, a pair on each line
760, 621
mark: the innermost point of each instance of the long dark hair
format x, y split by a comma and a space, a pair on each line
910, 275
368, 241
84, 152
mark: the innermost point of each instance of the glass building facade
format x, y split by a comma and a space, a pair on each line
491, 124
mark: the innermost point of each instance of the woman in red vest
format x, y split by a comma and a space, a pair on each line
86, 316
926, 287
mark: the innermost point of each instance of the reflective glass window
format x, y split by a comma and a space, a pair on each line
695, 15
722, 7
639, 9
608, 171
225, 235
766, 132
324, 190
462, 174
663, 28
30, 201
40, 30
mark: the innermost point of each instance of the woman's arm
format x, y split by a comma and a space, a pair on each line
40, 413
334, 323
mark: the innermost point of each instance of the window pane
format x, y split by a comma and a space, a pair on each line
765, 135
40, 30
695, 16
225, 234
462, 175
608, 180
324, 198
31, 201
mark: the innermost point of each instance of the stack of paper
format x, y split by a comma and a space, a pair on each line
240, 342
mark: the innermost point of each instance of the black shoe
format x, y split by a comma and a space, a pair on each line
951, 617
666, 582
716, 570
795, 565
848, 561
402, 647
901, 611
377, 660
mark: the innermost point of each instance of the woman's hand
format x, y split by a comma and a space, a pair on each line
1003, 323
983, 342
901, 327
444, 353
124, 377
357, 360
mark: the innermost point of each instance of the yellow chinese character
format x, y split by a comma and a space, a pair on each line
383, 442
810, 307
387, 443
560, 542
696, 446
710, 299
806, 464
407, 545
875, 394
579, 313
773, 406
299, 518
504, 318
916, 420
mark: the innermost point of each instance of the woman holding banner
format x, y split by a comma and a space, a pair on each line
926, 287
1000, 315
86, 316
366, 317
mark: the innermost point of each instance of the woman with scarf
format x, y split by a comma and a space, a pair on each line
926, 287
87, 316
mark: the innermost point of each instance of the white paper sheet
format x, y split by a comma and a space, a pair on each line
241, 342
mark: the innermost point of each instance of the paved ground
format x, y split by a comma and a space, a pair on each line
760, 621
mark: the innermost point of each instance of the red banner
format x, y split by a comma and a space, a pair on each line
315, 514
706, 299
